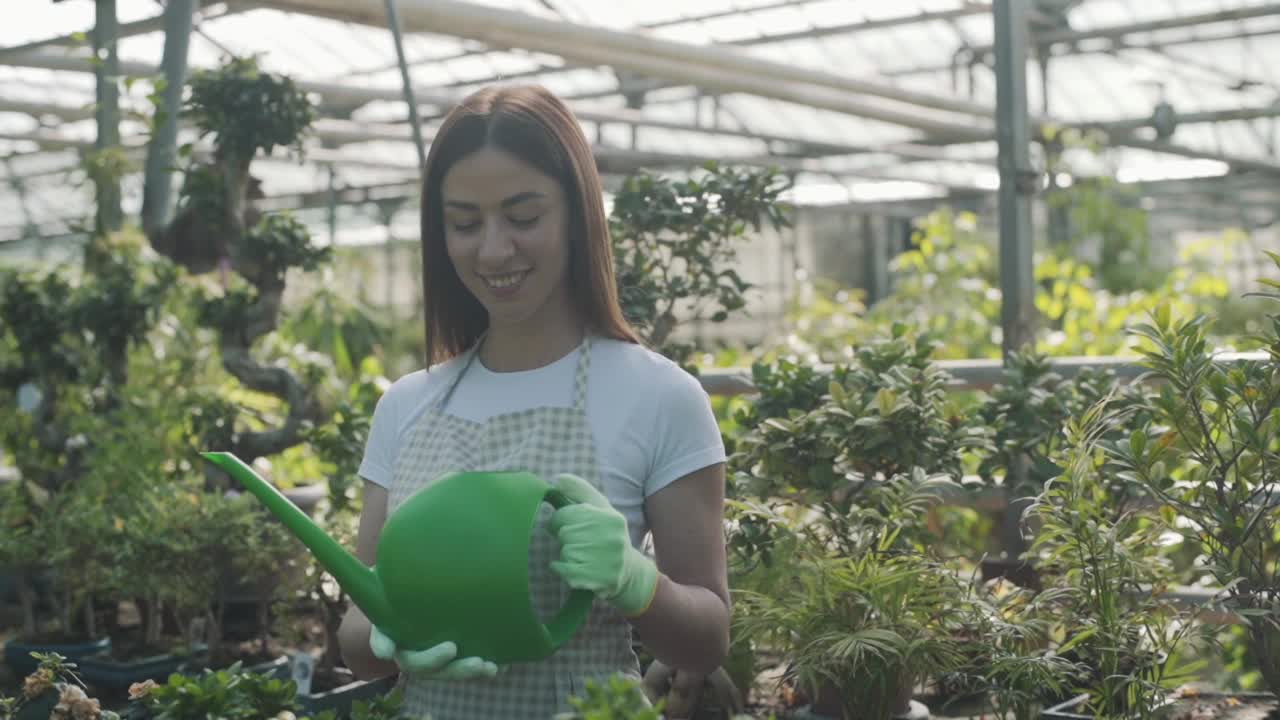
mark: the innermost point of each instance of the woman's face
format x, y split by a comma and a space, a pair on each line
506, 228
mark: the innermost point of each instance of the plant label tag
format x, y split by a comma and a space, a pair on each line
302, 667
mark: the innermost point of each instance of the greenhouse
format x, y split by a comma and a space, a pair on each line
587, 359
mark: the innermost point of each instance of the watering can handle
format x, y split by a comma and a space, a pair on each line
562, 627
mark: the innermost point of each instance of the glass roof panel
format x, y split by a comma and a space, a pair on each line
1096, 82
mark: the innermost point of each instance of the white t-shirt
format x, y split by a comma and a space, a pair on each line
652, 421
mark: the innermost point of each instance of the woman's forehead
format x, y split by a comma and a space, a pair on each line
494, 177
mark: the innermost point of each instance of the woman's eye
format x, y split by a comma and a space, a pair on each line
466, 227
525, 222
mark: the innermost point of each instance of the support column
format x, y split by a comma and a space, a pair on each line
106, 34
1058, 213
162, 151
877, 259
1018, 181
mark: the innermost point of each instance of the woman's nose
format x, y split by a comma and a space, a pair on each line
495, 244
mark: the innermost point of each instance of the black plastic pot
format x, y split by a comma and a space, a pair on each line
17, 654
106, 673
339, 699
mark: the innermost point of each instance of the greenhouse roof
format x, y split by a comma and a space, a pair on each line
873, 100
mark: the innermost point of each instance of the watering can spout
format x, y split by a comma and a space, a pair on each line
359, 581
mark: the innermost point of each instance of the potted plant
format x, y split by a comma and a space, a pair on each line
65, 347
1027, 413
860, 619
53, 690
233, 693
1132, 645
1210, 457
674, 242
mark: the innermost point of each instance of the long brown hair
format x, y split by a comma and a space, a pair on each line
534, 125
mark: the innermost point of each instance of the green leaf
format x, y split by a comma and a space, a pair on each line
1137, 442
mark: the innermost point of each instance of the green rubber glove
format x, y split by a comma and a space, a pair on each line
438, 662
596, 553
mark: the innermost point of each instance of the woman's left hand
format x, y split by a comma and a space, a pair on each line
596, 553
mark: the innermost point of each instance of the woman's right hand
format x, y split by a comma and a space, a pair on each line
439, 662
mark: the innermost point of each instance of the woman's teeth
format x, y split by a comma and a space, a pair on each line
504, 281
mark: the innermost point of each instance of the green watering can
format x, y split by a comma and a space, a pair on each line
453, 564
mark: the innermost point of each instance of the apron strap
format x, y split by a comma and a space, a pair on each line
471, 357
581, 375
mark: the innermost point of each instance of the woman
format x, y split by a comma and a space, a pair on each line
532, 367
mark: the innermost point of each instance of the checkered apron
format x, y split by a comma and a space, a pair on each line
546, 441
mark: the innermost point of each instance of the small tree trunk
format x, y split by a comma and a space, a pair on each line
264, 624
90, 621
218, 617
333, 611
154, 620
66, 612
27, 599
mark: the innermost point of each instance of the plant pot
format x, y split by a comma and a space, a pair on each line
277, 667
687, 696
346, 691
105, 672
1018, 572
828, 705
17, 653
1189, 704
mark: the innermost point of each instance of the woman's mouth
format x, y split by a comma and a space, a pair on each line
505, 284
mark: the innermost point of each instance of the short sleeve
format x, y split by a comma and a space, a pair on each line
687, 435
380, 447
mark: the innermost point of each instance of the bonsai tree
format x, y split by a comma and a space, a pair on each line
1211, 455
674, 243
245, 110
65, 348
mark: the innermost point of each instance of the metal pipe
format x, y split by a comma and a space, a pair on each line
394, 22
977, 374
598, 45
922, 16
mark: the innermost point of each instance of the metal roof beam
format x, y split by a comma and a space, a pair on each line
212, 9
704, 65
843, 29
1118, 32
346, 131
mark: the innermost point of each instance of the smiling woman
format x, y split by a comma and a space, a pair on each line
509, 243
531, 367
511, 188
